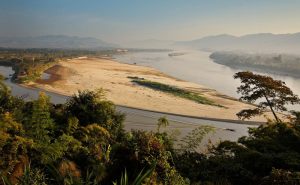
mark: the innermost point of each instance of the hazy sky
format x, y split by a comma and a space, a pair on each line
120, 21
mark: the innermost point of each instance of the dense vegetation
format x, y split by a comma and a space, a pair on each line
80, 142
83, 142
196, 97
282, 64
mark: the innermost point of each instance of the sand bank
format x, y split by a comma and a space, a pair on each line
67, 77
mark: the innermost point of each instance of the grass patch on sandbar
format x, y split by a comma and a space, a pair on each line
196, 97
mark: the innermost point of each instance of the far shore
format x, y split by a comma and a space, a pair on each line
70, 76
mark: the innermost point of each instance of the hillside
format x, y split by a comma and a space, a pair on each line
282, 64
261, 42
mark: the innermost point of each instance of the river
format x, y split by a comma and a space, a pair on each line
196, 66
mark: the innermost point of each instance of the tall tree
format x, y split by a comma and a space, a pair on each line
40, 123
257, 87
91, 107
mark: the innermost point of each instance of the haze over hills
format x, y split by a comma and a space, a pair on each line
261, 42
55, 41
151, 43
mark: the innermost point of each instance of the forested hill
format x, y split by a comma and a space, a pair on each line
281, 64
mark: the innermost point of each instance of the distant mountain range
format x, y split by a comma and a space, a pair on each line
261, 42
55, 41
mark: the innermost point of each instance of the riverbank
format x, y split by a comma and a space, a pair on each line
67, 77
276, 64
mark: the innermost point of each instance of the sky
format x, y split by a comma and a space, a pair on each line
121, 21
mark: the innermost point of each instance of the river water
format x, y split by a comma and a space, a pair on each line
25, 92
196, 66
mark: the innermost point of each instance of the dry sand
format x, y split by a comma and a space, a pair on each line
67, 77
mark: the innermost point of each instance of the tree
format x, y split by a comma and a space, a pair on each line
7, 101
40, 125
258, 87
13, 147
91, 107
162, 121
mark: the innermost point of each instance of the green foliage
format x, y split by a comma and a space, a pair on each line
162, 122
81, 142
32, 176
91, 107
196, 97
14, 146
139, 179
40, 125
248, 161
40, 128
255, 87
140, 150
8, 103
